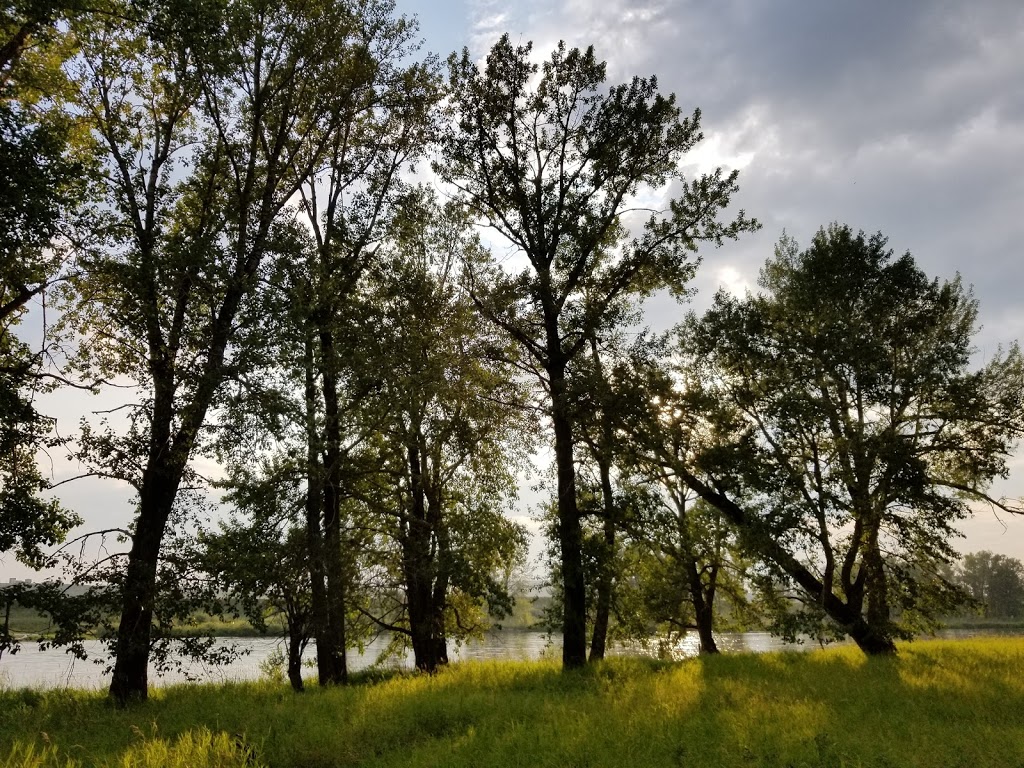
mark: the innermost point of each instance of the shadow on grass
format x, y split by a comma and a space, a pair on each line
937, 704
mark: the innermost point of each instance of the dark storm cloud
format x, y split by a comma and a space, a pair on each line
905, 117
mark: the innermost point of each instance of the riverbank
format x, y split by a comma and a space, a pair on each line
941, 703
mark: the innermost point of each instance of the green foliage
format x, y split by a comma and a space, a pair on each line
838, 415
261, 562
40, 191
995, 582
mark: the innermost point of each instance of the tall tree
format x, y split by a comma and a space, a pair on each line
836, 421
40, 193
451, 433
348, 208
553, 164
212, 118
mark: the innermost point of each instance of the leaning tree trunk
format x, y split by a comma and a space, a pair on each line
130, 681
872, 640
703, 600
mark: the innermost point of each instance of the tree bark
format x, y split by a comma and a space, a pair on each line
703, 600
418, 566
570, 531
334, 567
295, 645
130, 681
442, 576
605, 579
869, 640
848, 615
314, 531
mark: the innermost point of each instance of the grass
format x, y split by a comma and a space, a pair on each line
980, 622
941, 703
26, 622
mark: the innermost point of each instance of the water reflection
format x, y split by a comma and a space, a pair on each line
56, 669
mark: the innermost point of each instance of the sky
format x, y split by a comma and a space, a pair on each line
901, 117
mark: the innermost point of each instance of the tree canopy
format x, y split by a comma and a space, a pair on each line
835, 419
552, 159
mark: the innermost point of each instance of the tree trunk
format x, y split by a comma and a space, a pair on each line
295, 644
5, 633
439, 591
337, 667
846, 614
703, 600
336, 589
130, 681
427, 653
418, 565
314, 531
570, 532
606, 574
876, 588
869, 640
606, 581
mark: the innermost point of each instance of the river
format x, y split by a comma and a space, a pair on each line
54, 668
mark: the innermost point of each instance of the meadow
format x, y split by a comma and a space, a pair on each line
940, 703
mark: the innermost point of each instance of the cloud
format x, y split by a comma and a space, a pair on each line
900, 117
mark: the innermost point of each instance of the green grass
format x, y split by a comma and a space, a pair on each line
980, 622
941, 703
26, 622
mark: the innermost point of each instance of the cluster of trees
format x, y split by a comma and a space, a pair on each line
994, 582
219, 199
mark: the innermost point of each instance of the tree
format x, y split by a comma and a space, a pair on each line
697, 566
835, 420
349, 208
553, 168
212, 118
262, 562
450, 411
601, 382
996, 582
40, 195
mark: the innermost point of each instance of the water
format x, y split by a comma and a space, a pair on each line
56, 669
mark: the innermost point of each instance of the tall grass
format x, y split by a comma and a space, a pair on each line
940, 703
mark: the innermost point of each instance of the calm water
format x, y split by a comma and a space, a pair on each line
56, 669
